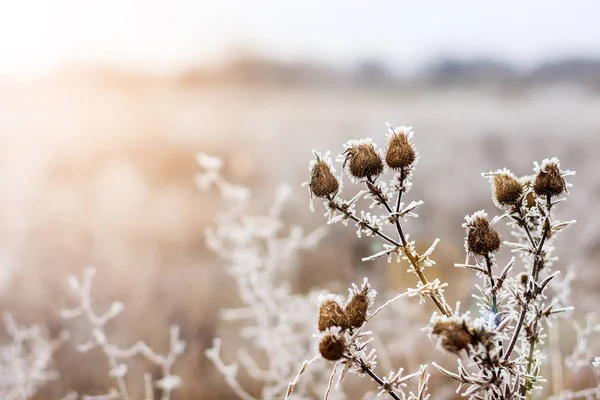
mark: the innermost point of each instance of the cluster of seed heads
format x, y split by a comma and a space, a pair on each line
526, 201
364, 161
334, 319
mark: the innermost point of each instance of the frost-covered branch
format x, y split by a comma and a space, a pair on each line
26, 360
116, 356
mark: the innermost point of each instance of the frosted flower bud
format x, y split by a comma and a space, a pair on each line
549, 180
331, 314
322, 181
508, 191
363, 160
356, 309
454, 334
332, 346
481, 239
400, 152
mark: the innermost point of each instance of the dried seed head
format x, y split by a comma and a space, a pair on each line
356, 309
332, 346
549, 180
363, 160
331, 314
400, 152
481, 239
508, 191
322, 181
457, 334
454, 334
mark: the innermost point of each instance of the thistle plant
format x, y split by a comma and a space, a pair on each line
499, 351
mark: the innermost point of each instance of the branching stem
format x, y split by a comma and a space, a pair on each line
441, 302
377, 379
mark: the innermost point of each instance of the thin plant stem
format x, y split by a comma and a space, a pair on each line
488, 263
377, 379
440, 303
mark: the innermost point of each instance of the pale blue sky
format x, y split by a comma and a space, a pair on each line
39, 35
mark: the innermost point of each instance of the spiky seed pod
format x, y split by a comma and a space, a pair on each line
482, 239
356, 309
400, 152
508, 191
549, 181
363, 161
331, 314
332, 346
322, 181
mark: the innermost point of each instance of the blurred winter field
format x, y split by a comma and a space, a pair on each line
102, 171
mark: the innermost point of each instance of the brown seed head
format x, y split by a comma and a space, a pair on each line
332, 346
455, 334
322, 181
482, 239
356, 309
363, 161
400, 152
331, 314
549, 181
507, 189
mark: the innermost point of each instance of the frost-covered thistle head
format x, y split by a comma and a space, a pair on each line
363, 159
358, 304
456, 334
549, 179
332, 344
482, 239
508, 191
323, 182
400, 152
331, 313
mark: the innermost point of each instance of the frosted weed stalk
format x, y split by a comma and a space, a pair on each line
258, 251
499, 352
